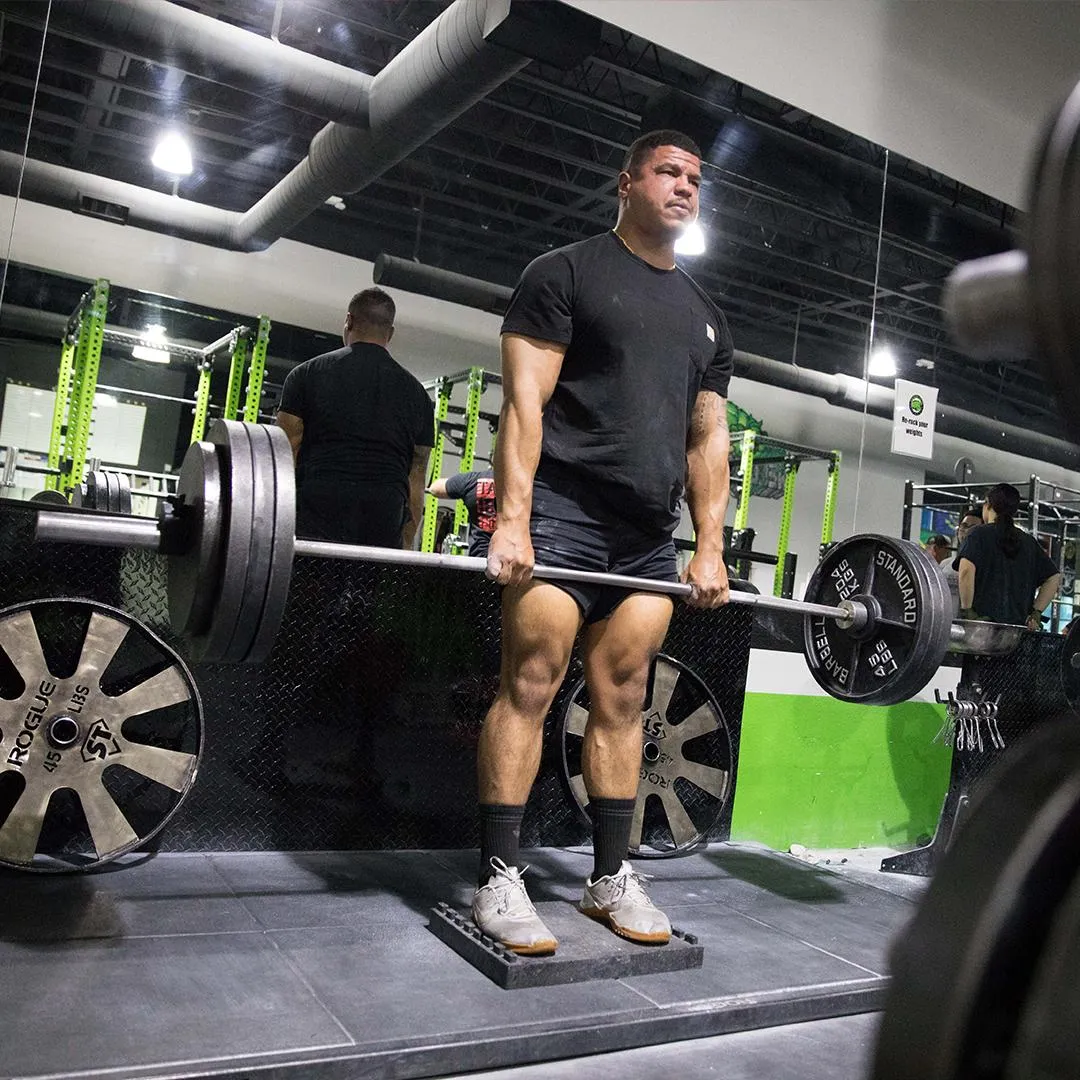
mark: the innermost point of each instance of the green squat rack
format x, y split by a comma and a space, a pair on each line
77, 381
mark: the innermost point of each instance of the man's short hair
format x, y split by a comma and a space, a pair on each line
938, 540
373, 308
642, 147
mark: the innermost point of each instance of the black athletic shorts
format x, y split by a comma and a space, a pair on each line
569, 529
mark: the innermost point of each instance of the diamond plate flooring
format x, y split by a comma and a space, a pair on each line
320, 964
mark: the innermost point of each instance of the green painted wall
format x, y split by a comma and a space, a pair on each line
826, 773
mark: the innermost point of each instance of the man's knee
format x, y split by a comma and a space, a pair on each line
617, 691
530, 683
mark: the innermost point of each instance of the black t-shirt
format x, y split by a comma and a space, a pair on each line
1004, 587
641, 343
363, 416
477, 491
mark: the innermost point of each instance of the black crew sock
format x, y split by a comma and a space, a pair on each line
612, 820
500, 836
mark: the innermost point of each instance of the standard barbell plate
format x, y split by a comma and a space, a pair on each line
194, 572
260, 465
940, 612
897, 654
97, 754
233, 450
277, 460
685, 779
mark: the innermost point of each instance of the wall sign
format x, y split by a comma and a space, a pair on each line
913, 419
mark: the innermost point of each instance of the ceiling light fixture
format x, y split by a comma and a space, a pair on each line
172, 155
882, 363
692, 241
154, 347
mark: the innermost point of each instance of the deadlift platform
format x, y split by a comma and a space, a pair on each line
587, 950
323, 965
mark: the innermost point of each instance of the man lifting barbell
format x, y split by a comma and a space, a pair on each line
615, 370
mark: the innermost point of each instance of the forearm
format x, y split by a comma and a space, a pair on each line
967, 586
1047, 591
415, 507
517, 454
708, 484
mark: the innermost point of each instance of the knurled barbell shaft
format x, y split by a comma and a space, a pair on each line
326, 550
107, 530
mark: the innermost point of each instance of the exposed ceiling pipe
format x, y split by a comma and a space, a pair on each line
397, 273
177, 37
472, 47
116, 201
839, 389
849, 391
442, 72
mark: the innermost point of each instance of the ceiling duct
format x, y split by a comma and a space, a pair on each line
411, 276
113, 200
176, 37
441, 73
839, 389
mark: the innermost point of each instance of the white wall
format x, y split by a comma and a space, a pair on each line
289, 282
960, 85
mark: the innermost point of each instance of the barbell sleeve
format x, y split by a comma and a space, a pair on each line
99, 530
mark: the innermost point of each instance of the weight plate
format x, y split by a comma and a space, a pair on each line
901, 648
276, 458
49, 495
123, 494
963, 968
96, 497
100, 731
685, 762
260, 545
112, 504
1070, 664
233, 451
1046, 1045
941, 609
1053, 243
195, 569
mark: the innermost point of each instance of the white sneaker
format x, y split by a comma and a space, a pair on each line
621, 901
502, 909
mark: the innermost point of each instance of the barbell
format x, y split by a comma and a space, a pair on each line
877, 612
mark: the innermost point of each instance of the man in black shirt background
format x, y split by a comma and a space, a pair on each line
1005, 576
361, 428
615, 370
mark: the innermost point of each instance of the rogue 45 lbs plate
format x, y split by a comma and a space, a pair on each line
893, 653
